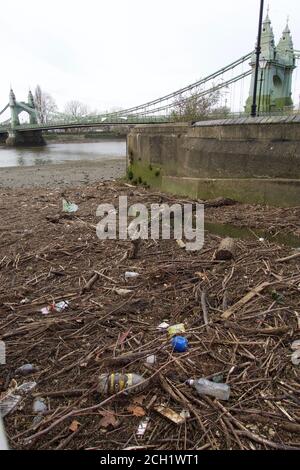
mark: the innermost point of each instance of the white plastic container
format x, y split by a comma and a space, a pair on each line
131, 275
206, 387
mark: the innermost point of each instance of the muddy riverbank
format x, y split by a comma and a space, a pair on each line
66, 174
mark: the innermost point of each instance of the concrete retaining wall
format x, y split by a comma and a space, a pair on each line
251, 160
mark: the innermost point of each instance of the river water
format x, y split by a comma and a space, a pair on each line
58, 153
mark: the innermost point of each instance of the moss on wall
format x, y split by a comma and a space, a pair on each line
148, 174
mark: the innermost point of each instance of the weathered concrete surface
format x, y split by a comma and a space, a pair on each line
250, 160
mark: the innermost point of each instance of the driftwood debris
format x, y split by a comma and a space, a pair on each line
244, 300
219, 202
134, 249
288, 258
103, 331
226, 249
90, 283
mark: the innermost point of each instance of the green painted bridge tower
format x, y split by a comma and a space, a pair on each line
15, 136
277, 63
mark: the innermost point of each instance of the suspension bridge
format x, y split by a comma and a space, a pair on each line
229, 86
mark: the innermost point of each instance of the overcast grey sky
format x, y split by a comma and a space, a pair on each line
123, 52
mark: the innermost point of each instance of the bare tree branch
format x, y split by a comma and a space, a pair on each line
76, 109
44, 103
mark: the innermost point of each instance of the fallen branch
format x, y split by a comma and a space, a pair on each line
244, 300
90, 283
288, 258
204, 307
260, 331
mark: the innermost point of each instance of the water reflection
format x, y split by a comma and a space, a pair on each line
61, 153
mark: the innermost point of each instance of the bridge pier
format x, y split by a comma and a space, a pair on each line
25, 139
3, 137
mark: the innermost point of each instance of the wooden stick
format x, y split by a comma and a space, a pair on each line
204, 307
90, 283
288, 258
244, 300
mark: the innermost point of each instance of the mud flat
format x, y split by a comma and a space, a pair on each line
65, 174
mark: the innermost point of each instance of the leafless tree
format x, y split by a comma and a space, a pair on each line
45, 104
194, 106
76, 109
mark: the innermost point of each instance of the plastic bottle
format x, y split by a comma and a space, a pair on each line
109, 384
206, 387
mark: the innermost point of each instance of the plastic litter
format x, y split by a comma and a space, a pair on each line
39, 406
206, 387
181, 244
185, 414
163, 326
56, 308
180, 344
170, 414
26, 369
13, 396
36, 420
3, 442
2, 353
109, 384
69, 207
176, 330
296, 357
151, 359
142, 428
61, 306
131, 275
296, 345
123, 291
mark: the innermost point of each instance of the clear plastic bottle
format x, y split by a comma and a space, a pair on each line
109, 384
206, 387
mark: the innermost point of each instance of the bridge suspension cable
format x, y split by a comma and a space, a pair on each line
181, 91
4, 109
214, 88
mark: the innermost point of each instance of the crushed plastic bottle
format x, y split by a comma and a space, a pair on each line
206, 387
109, 384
